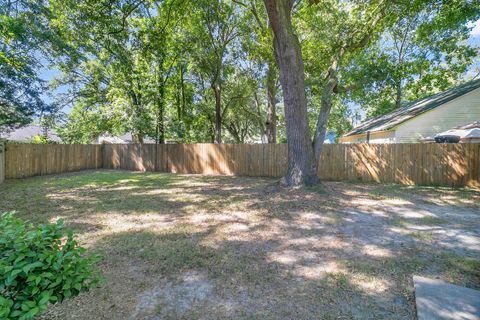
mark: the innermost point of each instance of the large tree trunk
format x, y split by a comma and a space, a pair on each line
218, 112
301, 162
160, 127
326, 107
332, 83
271, 125
398, 94
137, 136
322, 121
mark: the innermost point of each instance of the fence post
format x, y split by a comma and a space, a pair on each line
2, 161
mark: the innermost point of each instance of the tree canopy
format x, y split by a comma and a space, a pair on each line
26, 42
223, 70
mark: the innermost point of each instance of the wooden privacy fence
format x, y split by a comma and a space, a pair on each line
221, 159
410, 164
27, 160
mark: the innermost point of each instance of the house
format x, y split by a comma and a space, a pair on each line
28, 134
423, 118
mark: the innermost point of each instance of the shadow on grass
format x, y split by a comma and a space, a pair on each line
335, 252
244, 275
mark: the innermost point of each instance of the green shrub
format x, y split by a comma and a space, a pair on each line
40, 265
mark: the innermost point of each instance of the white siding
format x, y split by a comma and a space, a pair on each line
383, 140
377, 140
375, 137
461, 111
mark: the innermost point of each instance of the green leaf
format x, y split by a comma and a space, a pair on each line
32, 312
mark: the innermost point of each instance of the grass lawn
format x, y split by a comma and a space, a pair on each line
197, 247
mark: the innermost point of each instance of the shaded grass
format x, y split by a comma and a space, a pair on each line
460, 269
422, 236
318, 189
169, 253
428, 194
430, 221
451, 266
423, 221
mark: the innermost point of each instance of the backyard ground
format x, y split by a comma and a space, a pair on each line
197, 247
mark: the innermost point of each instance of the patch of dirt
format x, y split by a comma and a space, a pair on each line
191, 290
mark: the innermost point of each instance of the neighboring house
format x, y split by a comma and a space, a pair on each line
423, 118
28, 134
127, 138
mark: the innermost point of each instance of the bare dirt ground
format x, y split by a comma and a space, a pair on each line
196, 247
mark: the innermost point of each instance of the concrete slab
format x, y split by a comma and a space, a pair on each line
440, 300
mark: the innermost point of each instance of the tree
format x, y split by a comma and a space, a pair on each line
260, 48
105, 71
165, 76
161, 37
125, 60
421, 52
350, 27
340, 34
197, 71
301, 162
25, 43
216, 30
339, 31
245, 117
85, 125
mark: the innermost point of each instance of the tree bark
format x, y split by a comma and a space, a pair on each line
261, 125
301, 162
326, 107
322, 121
137, 136
398, 94
218, 112
160, 127
271, 125
160, 105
